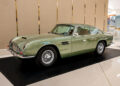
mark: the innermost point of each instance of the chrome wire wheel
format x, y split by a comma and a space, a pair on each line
47, 57
100, 48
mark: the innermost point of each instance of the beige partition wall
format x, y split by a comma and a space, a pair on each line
27, 17
105, 14
47, 15
100, 7
7, 22
89, 12
78, 11
64, 11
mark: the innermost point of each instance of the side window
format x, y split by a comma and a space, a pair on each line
83, 31
100, 32
95, 31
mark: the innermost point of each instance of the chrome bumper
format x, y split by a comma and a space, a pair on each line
20, 56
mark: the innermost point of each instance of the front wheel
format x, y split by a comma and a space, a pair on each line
46, 56
100, 48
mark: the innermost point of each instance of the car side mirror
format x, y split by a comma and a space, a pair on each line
75, 34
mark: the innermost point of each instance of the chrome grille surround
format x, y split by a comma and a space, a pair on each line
14, 47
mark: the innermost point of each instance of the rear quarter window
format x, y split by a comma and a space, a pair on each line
94, 31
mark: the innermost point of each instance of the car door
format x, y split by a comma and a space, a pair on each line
64, 42
80, 41
93, 37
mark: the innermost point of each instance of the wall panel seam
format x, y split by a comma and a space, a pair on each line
16, 9
84, 13
57, 4
104, 17
72, 10
39, 16
95, 15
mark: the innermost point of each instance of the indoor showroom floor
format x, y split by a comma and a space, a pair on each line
82, 70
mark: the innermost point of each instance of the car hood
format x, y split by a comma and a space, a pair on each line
40, 37
22, 40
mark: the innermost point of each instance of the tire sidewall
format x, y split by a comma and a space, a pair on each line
97, 49
39, 56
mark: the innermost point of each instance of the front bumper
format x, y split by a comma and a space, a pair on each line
20, 56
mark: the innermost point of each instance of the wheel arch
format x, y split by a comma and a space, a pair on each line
51, 45
103, 41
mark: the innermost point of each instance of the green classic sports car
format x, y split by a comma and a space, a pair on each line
65, 40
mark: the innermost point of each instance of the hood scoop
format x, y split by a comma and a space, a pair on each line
24, 37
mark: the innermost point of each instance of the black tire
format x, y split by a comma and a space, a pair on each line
98, 51
41, 58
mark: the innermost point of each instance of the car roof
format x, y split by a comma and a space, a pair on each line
77, 25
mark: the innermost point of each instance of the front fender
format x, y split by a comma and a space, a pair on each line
32, 48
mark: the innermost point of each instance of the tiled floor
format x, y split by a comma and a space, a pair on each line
115, 45
5, 53
88, 76
106, 73
4, 81
111, 69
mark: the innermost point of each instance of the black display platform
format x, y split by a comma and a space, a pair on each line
23, 74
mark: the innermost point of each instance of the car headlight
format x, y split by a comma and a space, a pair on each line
10, 42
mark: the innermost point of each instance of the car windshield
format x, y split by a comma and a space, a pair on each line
63, 30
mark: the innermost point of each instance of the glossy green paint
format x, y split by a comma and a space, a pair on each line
30, 45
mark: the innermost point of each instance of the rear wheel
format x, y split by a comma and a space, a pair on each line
46, 56
100, 48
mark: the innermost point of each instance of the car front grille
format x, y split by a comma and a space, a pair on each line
14, 47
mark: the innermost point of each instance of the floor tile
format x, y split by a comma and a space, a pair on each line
112, 70
115, 45
4, 81
88, 76
5, 53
